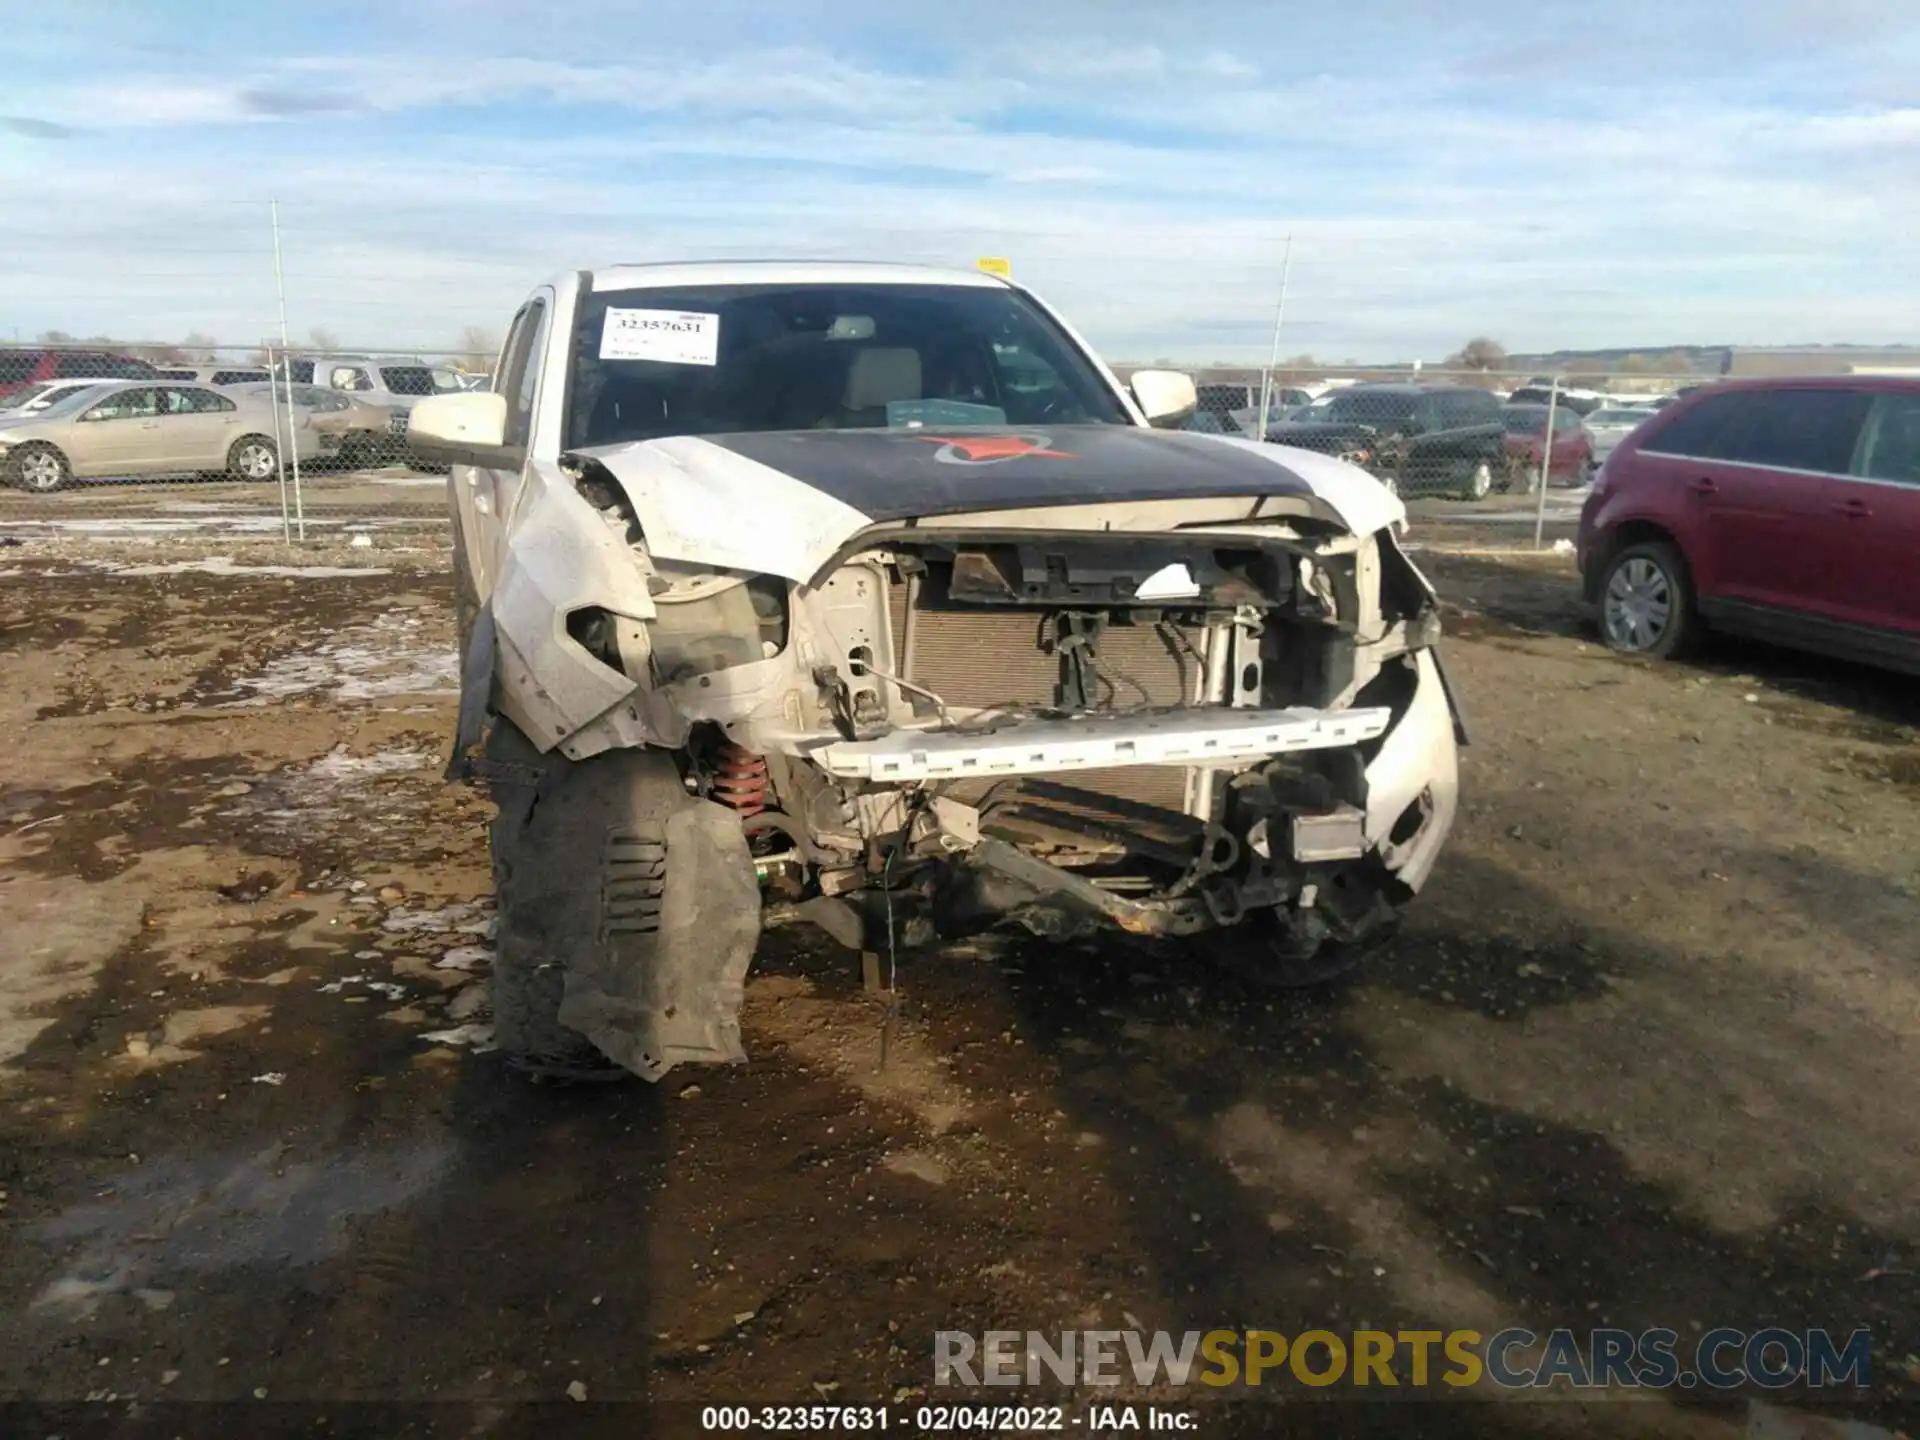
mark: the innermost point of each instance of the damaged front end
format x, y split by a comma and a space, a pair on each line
1170, 720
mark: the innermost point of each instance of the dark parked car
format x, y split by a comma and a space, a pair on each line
22, 367
1418, 439
1234, 409
1786, 509
1581, 402
1571, 458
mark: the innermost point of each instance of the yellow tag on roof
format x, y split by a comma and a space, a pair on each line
996, 265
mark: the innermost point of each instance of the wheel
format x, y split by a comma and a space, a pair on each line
1646, 602
253, 457
1589, 470
600, 821
1479, 482
41, 469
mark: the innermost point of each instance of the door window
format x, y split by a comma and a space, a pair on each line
1799, 429
1702, 432
191, 400
518, 377
142, 404
348, 377
1890, 442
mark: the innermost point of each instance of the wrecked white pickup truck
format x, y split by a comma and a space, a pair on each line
866, 594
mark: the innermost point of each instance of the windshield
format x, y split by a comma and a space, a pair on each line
54, 404
408, 379
27, 395
728, 359
1620, 417
1370, 407
1524, 419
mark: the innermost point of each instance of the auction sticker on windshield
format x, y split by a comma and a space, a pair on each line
672, 337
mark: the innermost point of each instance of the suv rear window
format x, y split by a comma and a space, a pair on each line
1223, 397
1371, 407
81, 365
408, 379
1471, 407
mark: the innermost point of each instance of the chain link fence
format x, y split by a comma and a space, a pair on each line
308, 444
224, 441
1459, 434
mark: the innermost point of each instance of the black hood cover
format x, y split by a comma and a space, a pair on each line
896, 474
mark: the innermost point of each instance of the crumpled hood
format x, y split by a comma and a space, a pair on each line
785, 503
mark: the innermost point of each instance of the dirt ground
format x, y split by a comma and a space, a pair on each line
1646, 1055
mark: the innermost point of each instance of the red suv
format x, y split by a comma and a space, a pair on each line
20, 368
1784, 509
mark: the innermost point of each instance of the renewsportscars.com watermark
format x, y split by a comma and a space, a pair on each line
1513, 1359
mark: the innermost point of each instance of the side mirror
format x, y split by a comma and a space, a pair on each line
469, 428
1166, 397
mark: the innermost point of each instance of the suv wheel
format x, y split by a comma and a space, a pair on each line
1479, 482
1646, 602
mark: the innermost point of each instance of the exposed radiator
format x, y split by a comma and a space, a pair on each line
983, 656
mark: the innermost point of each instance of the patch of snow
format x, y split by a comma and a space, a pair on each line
221, 565
390, 656
402, 920
480, 1037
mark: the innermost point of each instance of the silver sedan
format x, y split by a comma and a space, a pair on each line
136, 428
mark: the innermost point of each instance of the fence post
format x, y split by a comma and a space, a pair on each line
1546, 466
293, 443
280, 288
279, 450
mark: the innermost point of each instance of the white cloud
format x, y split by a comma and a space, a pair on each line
1144, 186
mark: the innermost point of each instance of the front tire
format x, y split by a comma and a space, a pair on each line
253, 457
40, 469
1646, 602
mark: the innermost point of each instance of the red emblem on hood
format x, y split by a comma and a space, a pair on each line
992, 449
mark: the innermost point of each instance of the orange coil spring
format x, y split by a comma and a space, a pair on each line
740, 781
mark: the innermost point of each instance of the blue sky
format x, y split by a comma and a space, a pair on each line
1550, 174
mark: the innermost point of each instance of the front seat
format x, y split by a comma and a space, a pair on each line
877, 377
